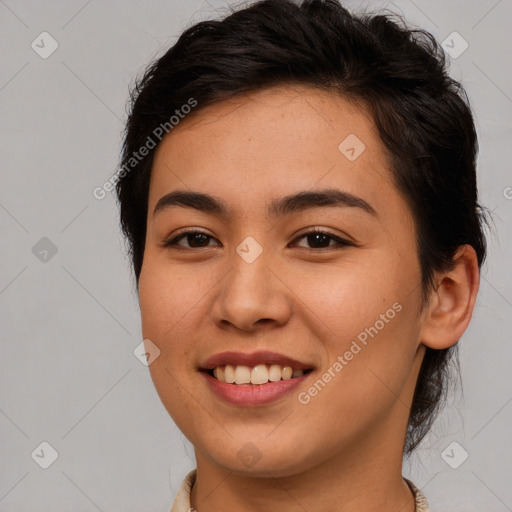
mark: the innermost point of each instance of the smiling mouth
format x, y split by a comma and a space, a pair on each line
257, 375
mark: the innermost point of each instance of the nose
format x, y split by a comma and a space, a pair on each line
252, 296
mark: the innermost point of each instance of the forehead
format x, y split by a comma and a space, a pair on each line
271, 143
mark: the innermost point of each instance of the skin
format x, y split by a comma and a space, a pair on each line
343, 450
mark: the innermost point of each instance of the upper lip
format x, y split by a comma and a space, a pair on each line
253, 359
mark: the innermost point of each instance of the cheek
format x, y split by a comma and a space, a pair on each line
166, 296
163, 308
376, 377
162, 305
350, 295
364, 380
372, 335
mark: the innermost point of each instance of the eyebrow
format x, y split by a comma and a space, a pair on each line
281, 207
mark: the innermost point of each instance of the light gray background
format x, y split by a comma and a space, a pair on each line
69, 325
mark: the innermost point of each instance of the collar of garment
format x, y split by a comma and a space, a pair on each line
182, 500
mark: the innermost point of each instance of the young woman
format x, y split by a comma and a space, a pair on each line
299, 195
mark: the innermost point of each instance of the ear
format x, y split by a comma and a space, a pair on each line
451, 304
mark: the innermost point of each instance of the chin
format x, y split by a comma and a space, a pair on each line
265, 459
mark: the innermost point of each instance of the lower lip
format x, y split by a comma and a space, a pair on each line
253, 394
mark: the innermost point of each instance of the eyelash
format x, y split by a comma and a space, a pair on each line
341, 242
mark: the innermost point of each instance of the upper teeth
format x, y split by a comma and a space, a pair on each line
259, 374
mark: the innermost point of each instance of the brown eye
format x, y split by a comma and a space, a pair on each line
321, 240
194, 239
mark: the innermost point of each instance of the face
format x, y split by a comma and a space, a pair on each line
340, 304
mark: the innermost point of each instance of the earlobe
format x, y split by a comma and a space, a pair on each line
452, 302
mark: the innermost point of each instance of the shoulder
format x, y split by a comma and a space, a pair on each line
182, 500
421, 500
